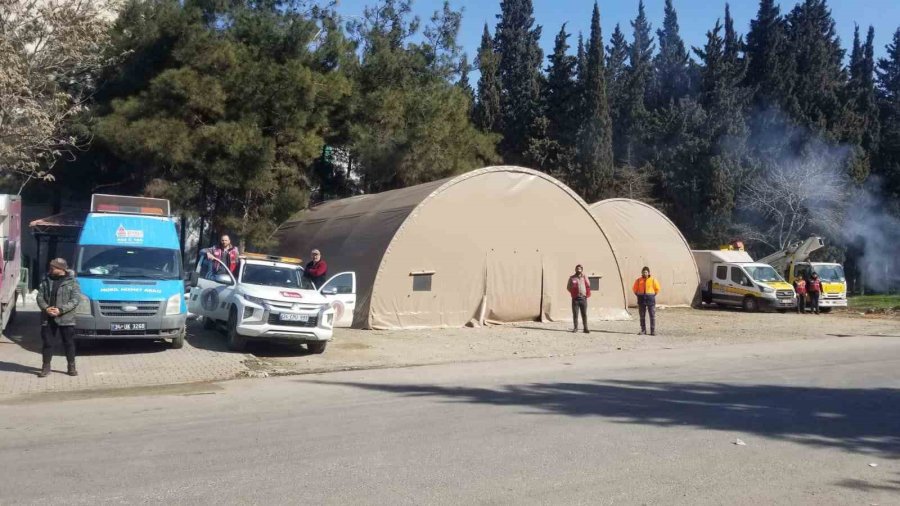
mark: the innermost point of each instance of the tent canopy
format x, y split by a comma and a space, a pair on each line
641, 236
495, 244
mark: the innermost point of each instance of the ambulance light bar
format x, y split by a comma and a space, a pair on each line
272, 258
129, 205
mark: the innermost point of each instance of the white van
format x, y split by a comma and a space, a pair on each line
732, 278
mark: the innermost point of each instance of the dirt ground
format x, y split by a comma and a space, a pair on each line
677, 327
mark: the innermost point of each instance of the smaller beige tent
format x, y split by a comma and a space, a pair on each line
640, 236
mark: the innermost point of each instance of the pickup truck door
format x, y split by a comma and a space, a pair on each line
342, 287
213, 289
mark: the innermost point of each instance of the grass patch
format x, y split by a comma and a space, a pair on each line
874, 301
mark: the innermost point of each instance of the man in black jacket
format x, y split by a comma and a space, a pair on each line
58, 297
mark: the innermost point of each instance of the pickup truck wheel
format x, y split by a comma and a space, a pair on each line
750, 304
208, 323
178, 341
316, 347
236, 342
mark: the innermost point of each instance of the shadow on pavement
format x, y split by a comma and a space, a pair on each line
214, 340
858, 420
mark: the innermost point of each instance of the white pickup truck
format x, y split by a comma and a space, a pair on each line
269, 299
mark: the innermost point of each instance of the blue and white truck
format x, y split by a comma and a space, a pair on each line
128, 264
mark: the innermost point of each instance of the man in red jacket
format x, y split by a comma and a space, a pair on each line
580, 289
316, 269
226, 253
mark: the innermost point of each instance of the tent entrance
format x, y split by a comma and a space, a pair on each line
514, 286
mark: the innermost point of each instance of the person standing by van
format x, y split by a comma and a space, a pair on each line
800, 288
646, 289
815, 290
580, 290
58, 297
226, 253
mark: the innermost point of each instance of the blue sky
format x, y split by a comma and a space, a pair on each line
695, 17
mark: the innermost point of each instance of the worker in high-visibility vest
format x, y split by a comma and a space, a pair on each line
646, 289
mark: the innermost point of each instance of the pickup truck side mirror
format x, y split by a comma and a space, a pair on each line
192, 280
223, 279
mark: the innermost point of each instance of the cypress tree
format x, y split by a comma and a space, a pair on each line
672, 77
733, 44
595, 139
561, 93
639, 72
770, 69
616, 86
463, 83
487, 107
888, 160
517, 41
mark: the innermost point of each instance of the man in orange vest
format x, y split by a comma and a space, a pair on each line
646, 289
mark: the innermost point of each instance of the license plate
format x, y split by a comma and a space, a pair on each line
786, 302
289, 317
127, 326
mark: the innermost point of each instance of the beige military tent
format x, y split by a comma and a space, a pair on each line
492, 245
640, 236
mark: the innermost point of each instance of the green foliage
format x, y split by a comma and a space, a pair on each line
672, 80
487, 108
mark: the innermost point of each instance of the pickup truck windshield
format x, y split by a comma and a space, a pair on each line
830, 273
764, 274
277, 276
124, 262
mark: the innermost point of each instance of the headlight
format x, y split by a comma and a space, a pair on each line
253, 300
84, 306
173, 305
766, 289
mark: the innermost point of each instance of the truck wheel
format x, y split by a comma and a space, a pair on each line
178, 341
821, 309
236, 342
208, 323
316, 347
750, 304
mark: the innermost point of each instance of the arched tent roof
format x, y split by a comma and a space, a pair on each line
641, 236
505, 238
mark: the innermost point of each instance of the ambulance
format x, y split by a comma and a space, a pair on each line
732, 278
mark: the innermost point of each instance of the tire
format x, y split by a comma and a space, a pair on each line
316, 347
208, 323
236, 342
825, 310
750, 304
178, 341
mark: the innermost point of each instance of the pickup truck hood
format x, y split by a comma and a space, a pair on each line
287, 295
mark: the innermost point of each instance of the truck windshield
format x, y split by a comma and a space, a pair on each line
830, 273
764, 274
128, 263
274, 275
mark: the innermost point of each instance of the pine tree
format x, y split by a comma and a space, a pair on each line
617, 92
595, 139
463, 83
888, 159
639, 73
486, 114
672, 78
733, 43
517, 41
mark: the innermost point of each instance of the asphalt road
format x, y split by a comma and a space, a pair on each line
643, 427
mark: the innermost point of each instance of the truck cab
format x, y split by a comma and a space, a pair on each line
10, 255
834, 283
732, 278
128, 265
268, 298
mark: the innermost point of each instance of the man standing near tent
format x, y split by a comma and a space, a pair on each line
646, 289
580, 290
316, 270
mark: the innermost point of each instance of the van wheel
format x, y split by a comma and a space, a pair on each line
178, 341
750, 304
236, 342
316, 347
208, 323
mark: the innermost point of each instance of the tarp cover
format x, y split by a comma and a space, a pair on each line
643, 236
498, 242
